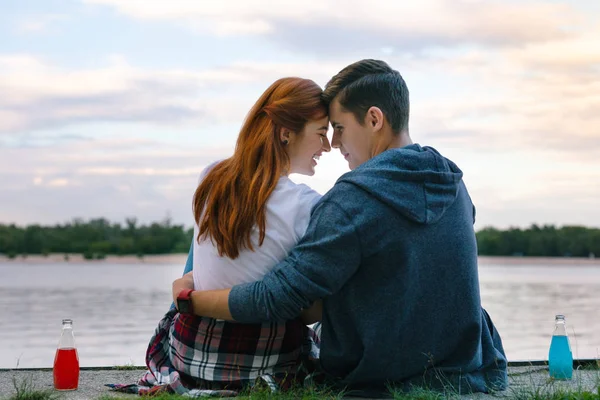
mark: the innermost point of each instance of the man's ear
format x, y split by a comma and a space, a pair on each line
374, 118
284, 135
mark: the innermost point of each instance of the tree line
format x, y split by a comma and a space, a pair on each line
540, 241
97, 238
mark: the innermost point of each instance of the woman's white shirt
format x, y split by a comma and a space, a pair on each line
287, 216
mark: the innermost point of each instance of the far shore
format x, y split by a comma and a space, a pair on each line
180, 258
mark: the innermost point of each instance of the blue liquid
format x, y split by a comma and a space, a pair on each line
560, 358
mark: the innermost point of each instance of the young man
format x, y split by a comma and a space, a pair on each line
390, 250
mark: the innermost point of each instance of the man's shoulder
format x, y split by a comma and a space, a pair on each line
340, 189
343, 196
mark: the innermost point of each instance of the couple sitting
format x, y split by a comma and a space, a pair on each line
386, 260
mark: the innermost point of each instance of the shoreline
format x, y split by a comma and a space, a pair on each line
577, 363
59, 258
503, 260
180, 258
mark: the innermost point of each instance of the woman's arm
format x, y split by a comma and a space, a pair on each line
215, 303
189, 264
205, 303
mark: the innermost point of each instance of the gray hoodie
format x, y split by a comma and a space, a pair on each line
391, 250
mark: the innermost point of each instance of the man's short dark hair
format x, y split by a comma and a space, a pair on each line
368, 83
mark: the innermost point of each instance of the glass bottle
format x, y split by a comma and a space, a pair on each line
560, 357
66, 360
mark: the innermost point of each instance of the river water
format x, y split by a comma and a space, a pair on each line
116, 307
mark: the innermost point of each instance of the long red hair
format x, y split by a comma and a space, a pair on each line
232, 198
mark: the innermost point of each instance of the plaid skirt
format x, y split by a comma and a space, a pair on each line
200, 357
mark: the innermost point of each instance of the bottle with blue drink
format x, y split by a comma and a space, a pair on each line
560, 358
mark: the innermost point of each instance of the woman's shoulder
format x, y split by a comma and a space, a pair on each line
295, 203
304, 193
207, 169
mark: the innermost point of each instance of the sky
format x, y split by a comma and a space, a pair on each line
112, 108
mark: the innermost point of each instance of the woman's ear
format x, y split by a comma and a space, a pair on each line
285, 136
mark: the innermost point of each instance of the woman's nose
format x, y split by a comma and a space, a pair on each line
325, 145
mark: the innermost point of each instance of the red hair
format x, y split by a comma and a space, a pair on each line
232, 198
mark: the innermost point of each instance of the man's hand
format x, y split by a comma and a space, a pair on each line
185, 282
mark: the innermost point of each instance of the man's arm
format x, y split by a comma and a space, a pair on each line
309, 316
326, 257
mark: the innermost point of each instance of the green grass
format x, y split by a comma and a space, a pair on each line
552, 389
298, 393
127, 367
549, 393
254, 394
522, 387
132, 396
422, 394
25, 390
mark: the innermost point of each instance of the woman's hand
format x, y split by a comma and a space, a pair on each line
185, 282
205, 303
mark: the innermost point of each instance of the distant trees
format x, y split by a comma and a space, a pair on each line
98, 237
542, 241
95, 239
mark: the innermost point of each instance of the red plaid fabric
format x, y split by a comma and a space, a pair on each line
200, 356
222, 351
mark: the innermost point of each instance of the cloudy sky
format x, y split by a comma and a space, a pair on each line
111, 108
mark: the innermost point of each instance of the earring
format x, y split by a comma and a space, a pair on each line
285, 142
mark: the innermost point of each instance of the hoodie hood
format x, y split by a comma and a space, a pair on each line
416, 181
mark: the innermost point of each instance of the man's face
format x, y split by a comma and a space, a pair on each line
353, 139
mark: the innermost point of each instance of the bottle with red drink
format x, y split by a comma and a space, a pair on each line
66, 361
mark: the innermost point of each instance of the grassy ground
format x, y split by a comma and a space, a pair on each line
537, 393
576, 389
26, 390
525, 384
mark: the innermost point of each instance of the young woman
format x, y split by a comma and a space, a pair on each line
248, 215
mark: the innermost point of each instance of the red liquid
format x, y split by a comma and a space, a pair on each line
66, 369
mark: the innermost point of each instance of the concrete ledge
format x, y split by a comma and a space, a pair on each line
522, 378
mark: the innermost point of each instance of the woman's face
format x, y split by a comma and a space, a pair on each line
305, 147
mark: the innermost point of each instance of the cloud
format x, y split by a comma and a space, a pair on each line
543, 95
42, 95
115, 177
41, 23
550, 123
37, 94
524, 104
324, 26
508, 91
101, 177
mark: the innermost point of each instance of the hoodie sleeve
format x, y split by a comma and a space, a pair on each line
326, 257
